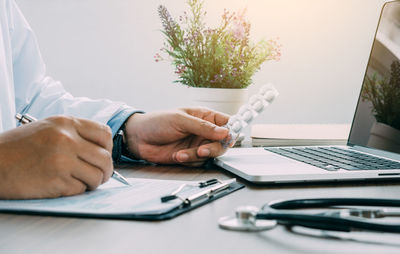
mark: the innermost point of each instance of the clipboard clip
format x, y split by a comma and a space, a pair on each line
201, 195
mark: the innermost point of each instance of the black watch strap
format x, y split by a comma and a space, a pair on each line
117, 146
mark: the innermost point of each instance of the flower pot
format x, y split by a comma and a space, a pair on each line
226, 100
383, 136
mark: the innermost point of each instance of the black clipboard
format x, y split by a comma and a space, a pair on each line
164, 215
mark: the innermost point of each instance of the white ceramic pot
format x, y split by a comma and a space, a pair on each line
384, 137
227, 100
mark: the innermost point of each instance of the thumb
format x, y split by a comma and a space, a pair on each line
202, 128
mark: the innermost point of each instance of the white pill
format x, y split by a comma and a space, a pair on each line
253, 99
269, 96
247, 116
243, 109
264, 89
236, 126
258, 106
232, 120
245, 113
256, 103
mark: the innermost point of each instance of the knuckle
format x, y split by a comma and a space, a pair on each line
178, 114
107, 135
108, 132
206, 125
63, 138
62, 120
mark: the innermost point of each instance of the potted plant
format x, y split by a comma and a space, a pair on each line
221, 58
384, 95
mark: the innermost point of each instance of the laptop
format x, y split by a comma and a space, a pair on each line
373, 146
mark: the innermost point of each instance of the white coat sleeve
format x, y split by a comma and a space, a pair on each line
40, 95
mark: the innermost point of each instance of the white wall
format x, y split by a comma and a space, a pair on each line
105, 48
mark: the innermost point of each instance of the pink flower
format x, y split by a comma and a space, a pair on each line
158, 57
180, 69
238, 30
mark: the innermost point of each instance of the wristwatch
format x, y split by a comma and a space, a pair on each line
119, 147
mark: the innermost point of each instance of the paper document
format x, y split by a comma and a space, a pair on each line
111, 198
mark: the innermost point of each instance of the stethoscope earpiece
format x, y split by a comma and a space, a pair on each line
245, 220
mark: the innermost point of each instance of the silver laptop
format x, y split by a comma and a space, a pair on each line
373, 146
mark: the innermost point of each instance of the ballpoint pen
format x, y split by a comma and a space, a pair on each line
25, 118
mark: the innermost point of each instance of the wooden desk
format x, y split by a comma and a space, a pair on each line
193, 232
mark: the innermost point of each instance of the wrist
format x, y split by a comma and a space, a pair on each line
132, 135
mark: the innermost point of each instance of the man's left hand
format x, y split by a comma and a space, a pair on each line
186, 136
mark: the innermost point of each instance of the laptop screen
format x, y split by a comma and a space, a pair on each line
376, 123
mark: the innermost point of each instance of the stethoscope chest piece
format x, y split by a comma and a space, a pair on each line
245, 220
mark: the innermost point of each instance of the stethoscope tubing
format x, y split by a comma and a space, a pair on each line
326, 202
327, 222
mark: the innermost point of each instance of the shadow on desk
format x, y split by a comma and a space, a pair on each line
179, 172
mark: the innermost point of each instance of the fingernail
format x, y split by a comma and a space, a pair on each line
183, 157
205, 152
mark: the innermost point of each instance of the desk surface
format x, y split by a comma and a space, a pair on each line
193, 232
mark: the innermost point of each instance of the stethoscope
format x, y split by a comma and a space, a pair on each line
250, 218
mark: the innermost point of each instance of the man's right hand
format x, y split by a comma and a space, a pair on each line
57, 156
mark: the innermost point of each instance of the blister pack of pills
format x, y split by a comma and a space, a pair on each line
248, 112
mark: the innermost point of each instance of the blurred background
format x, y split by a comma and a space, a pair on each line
105, 49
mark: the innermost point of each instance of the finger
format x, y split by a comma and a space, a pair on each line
211, 150
188, 155
215, 117
221, 118
201, 128
95, 132
97, 157
74, 187
191, 160
89, 175
199, 154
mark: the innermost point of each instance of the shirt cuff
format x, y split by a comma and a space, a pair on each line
116, 122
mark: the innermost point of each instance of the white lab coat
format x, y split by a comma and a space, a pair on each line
24, 86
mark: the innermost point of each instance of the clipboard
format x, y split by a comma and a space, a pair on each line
146, 199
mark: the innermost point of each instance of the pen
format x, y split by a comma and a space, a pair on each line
25, 118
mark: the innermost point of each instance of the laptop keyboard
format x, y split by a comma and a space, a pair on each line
334, 158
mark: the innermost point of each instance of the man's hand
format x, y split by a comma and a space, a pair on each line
58, 156
188, 136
